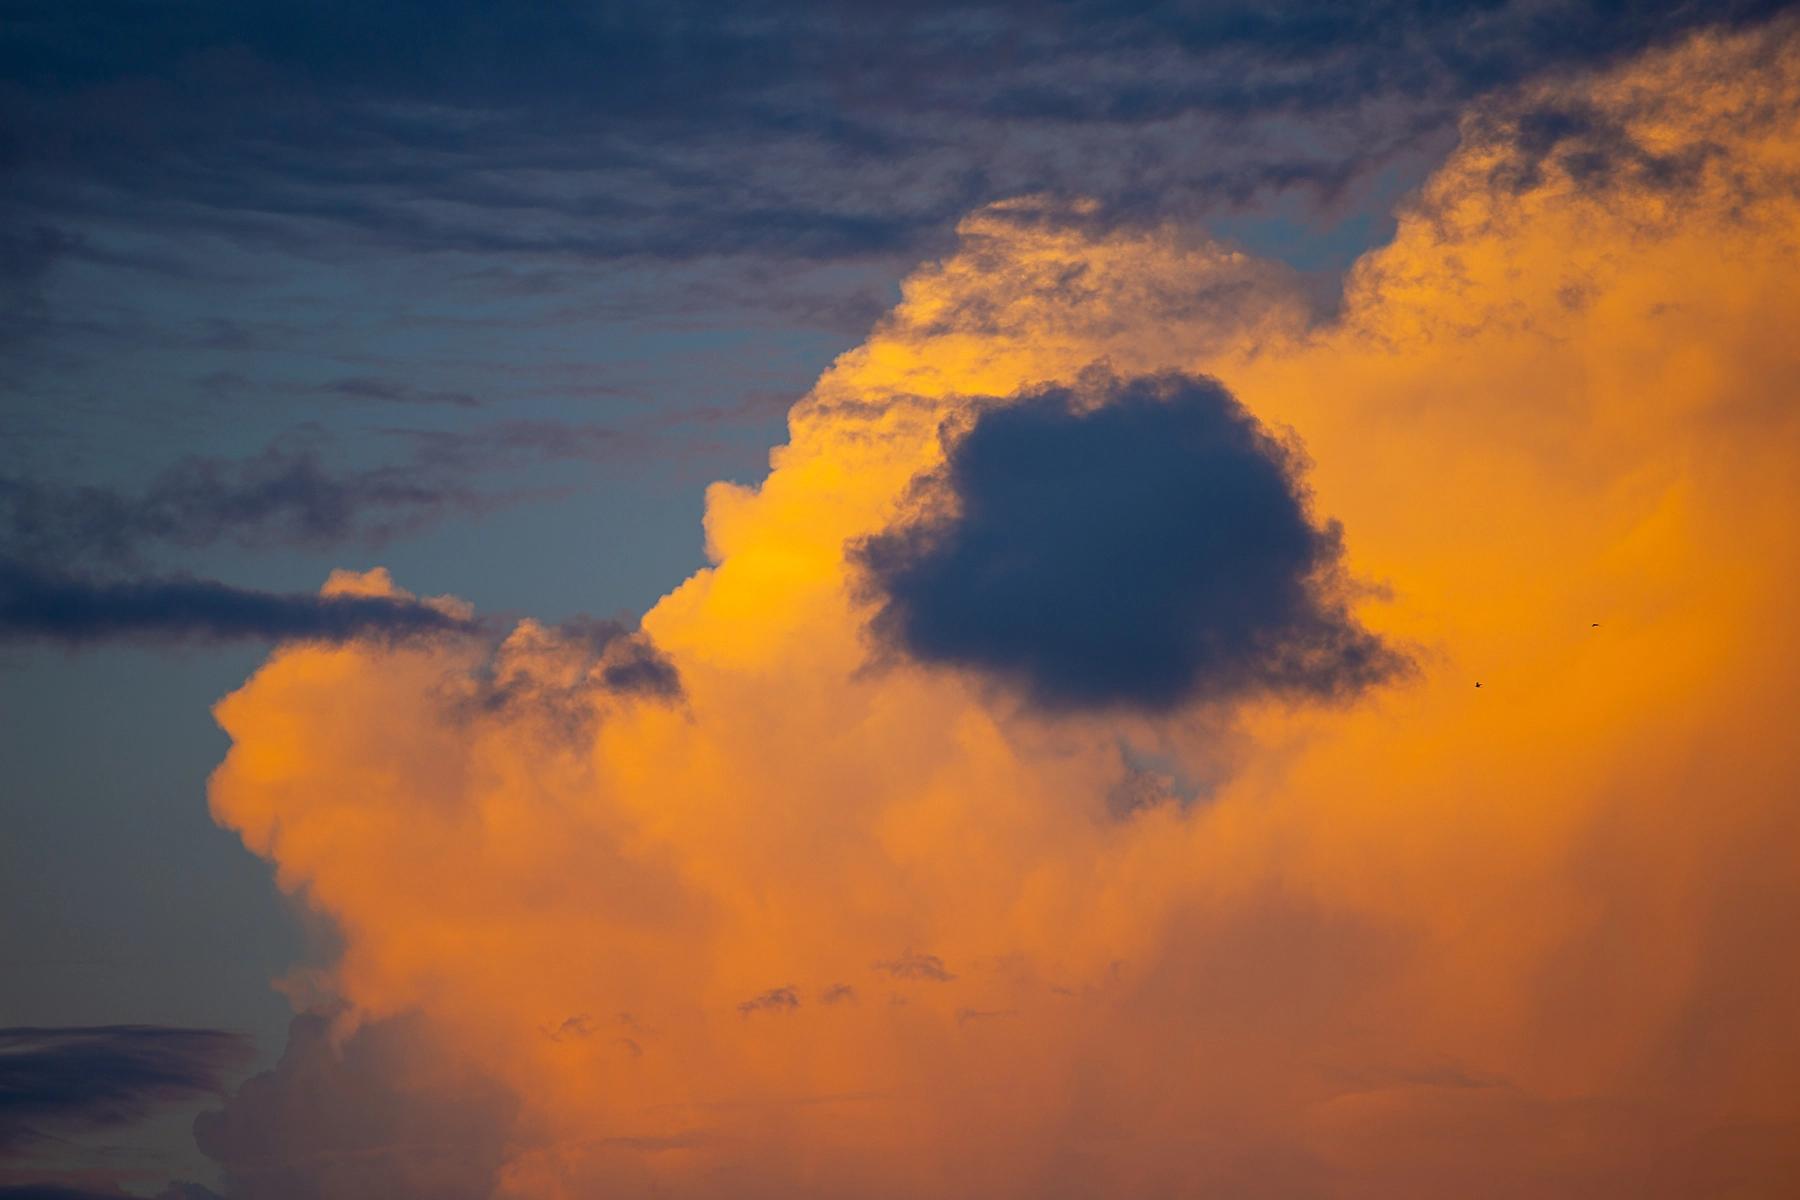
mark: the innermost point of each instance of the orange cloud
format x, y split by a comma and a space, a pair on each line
828, 921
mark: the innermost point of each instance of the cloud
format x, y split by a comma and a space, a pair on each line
46, 605
27, 252
57, 1191
781, 999
60, 1191
1420, 940
292, 493
555, 675
1142, 543
286, 495
912, 965
369, 1116
392, 391
60, 1081
517, 441
687, 132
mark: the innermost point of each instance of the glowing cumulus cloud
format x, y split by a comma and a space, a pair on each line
787, 897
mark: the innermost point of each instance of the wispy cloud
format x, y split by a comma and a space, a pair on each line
300, 492
781, 999
289, 494
40, 604
677, 132
913, 965
65, 1080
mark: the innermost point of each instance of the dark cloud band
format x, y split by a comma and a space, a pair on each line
99, 1077
682, 130
286, 495
43, 605
295, 492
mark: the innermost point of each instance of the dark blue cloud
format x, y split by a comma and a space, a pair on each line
681, 130
57, 1191
27, 252
289, 494
1143, 544
41, 604
297, 492
58, 1081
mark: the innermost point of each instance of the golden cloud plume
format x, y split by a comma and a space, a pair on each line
835, 922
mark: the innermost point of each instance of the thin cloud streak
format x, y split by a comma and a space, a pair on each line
38, 604
287, 495
61, 1080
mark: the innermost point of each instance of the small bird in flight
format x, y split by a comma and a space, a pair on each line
1478, 685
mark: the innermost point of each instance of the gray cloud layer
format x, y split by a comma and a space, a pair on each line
365, 1121
41, 604
671, 131
59, 1081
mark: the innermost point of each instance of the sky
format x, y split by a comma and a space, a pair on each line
1026, 600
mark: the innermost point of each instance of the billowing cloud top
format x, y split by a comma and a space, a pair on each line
836, 920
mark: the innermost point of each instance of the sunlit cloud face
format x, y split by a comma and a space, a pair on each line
861, 896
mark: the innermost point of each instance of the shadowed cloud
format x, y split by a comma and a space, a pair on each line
285, 495
373, 1117
179, 1190
912, 965
292, 493
1141, 543
781, 999
557, 673
682, 131
56, 1081
45, 605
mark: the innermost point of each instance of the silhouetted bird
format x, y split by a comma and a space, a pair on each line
1478, 685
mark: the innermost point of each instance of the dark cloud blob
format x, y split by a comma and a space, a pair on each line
60, 1081
805, 130
641, 670
1141, 544
383, 1117
42, 604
